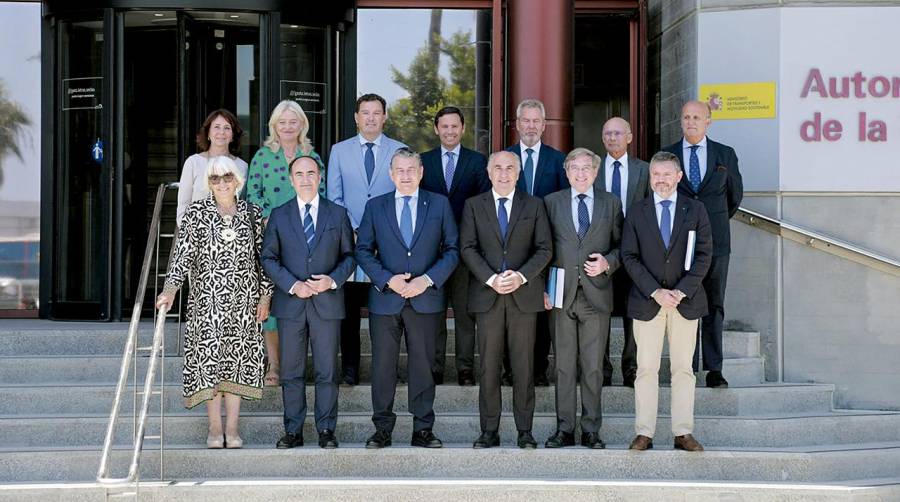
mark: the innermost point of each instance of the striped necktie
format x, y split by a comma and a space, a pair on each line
308, 227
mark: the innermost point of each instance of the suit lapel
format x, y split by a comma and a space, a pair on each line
599, 208
389, 211
321, 222
685, 176
382, 159
680, 215
421, 215
652, 224
461, 164
712, 153
520, 185
601, 175
567, 212
490, 208
634, 173
517, 203
296, 222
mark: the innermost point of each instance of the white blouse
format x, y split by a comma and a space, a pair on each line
193, 186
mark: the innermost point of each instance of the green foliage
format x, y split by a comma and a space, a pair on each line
410, 119
13, 121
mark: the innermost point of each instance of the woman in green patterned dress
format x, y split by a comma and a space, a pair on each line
269, 186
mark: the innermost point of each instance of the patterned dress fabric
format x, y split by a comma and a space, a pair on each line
223, 343
269, 186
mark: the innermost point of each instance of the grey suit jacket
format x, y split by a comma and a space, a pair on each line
638, 187
570, 253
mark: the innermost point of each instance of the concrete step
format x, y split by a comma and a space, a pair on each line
828, 464
747, 401
264, 429
99, 369
454, 490
38, 338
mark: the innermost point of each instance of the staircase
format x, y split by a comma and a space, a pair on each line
764, 441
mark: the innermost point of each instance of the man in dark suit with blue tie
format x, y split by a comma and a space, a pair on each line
667, 298
408, 245
542, 174
712, 177
458, 173
308, 253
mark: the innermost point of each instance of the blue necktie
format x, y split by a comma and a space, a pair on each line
369, 162
503, 219
529, 172
617, 179
694, 172
308, 228
449, 170
665, 222
406, 226
584, 219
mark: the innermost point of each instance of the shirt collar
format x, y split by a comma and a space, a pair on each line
314, 201
589, 192
398, 195
673, 198
685, 145
455, 150
623, 159
363, 140
497, 196
536, 148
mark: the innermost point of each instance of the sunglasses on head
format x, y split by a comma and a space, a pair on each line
215, 178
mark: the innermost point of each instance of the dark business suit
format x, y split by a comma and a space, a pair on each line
581, 326
287, 258
526, 248
549, 177
469, 179
721, 191
382, 253
638, 188
652, 266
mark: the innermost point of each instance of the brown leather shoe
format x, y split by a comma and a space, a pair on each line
641, 443
687, 443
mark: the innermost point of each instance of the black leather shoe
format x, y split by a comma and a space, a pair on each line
289, 440
465, 378
560, 439
349, 378
592, 440
487, 439
607, 381
380, 439
438, 378
541, 380
425, 439
526, 441
715, 380
327, 439
629, 379
506, 379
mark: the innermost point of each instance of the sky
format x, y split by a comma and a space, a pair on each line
20, 70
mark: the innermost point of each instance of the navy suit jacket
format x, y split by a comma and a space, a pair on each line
287, 259
721, 189
382, 253
550, 174
470, 178
651, 265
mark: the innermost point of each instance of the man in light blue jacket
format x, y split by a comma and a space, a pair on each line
359, 170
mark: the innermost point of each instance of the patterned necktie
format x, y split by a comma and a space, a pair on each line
694, 172
617, 179
369, 162
308, 228
449, 170
503, 219
584, 219
665, 222
406, 226
529, 172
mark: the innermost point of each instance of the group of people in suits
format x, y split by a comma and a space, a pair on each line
452, 226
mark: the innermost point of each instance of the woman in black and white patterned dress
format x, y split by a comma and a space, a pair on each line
218, 248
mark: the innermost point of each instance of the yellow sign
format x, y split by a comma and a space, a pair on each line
751, 100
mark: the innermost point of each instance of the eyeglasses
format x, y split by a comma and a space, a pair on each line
215, 178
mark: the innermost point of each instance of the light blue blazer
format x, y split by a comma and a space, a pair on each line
347, 184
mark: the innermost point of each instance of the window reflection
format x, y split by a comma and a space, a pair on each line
428, 59
20, 161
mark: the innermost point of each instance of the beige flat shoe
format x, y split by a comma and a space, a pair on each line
215, 441
233, 442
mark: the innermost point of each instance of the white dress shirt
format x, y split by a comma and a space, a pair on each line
658, 206
413, 206
623, 173
534, 159
313, 210
701, 156
444, 157
375, 149
508, 206
589, 201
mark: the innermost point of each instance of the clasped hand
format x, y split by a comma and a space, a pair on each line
506, 282
405, 286
595, 265
668, 298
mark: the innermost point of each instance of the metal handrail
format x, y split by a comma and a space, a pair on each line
129, 354
816, 240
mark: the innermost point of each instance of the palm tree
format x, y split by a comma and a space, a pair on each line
13, 122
